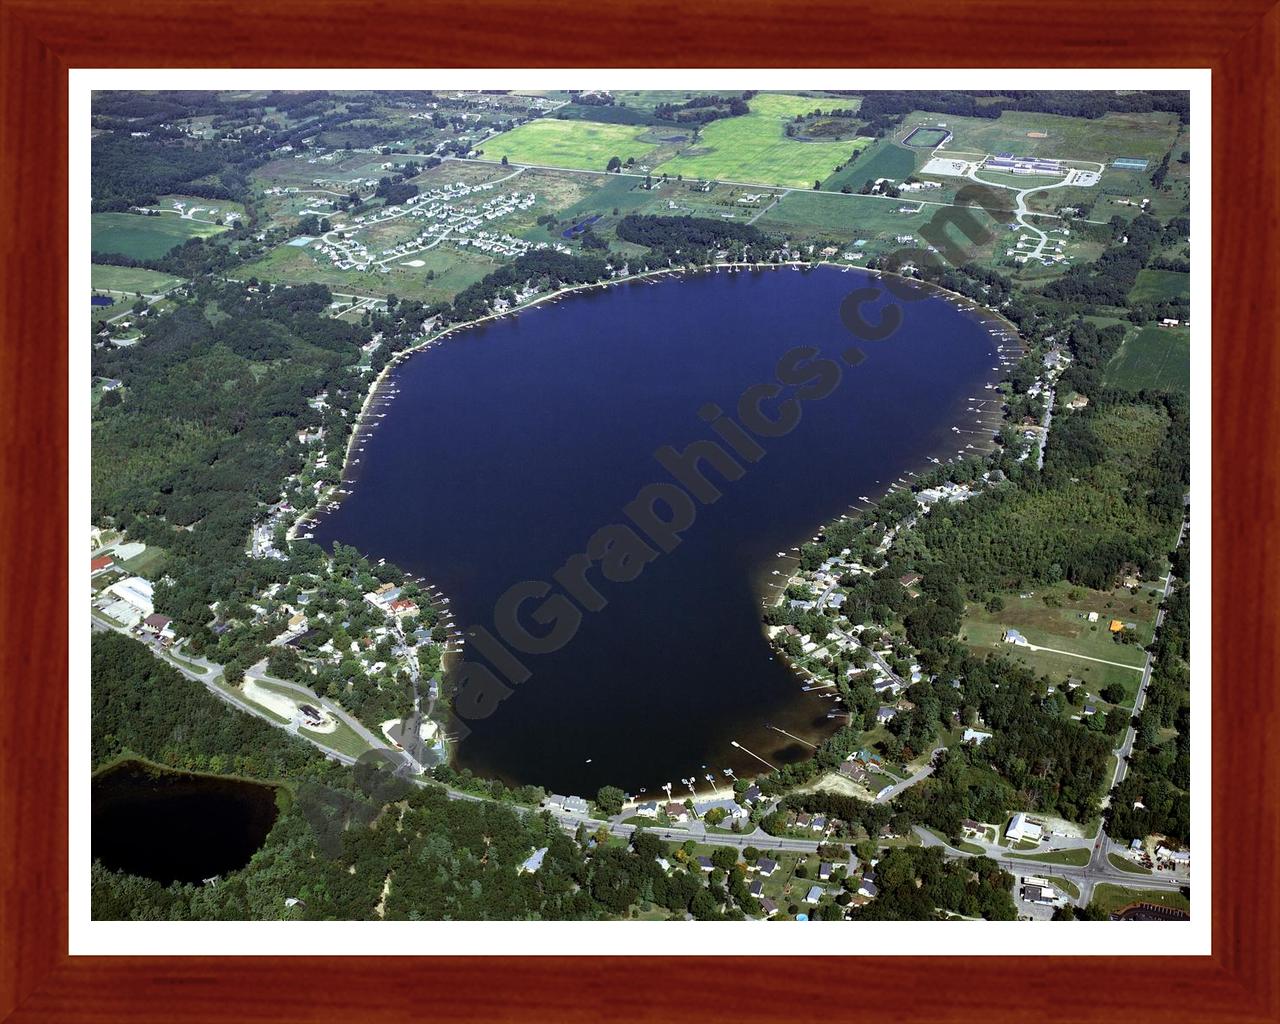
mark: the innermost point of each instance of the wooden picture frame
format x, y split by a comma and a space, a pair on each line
40, 40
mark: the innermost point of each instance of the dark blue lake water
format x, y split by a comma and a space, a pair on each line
509, 445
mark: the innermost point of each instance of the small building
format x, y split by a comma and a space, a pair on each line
678, 813
1012, 636
975, 736
100, 564
1115, 626
910, 579
705, 864
824, 871
886, 714
769, 907
767, 866
756, 888
868, 888
647, 810
158, 625
814, 894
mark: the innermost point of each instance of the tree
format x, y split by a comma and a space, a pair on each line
609, 799
614, 164
505, 162
715, 816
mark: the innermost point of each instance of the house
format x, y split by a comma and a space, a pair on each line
852, 770
886, 714
1023, 829
159, 625
975, 736
1012, 636
677, 812
1039, 894
756, 888
1093, 616
647, 810
100, 563
752, 794
731, 808
768, 906
1116, 626
767, 866
533, 861
867, 887
824, 871
910, 579
576, 805
803, 821
814, 894
705, 864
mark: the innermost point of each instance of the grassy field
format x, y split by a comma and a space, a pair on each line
1065, 627
1100, 139
882, 159
1112, 898
1125, 864
922, 137
130, 280
147, 564
1154, 357
754, 148
454, 270
1076, 858
144, 238
585, 144
1157, 285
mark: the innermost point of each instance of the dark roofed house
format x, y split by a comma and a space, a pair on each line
769, 906
705, 863
767, 866
910, 579
159, 625
756, 887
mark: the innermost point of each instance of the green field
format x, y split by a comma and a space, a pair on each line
923, 137
882, 159
1112, 898
1100, 139
1154, 357
1158, 285
754, 148
130, 280
1125, 864
1076, 858
585, 144
1066, 885
1066, 628
144, 238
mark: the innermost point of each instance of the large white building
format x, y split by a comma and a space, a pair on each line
1021, 828
135, 591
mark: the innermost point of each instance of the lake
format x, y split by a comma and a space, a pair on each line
501, 451
177, 826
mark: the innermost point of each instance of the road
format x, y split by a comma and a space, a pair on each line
1126, 748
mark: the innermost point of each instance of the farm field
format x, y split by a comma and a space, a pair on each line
754, 148
1070, 138
144, 238
1154, 357
882, 159
585, 144
130, 280
1157, 285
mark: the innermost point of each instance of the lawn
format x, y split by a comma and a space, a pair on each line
1065, 885
1076, 858
147, 564
1112, 898
585, 144
130, 280
1154, 357
144, 238
1158, 285
754, 148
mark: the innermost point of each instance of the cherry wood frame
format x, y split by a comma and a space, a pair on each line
41, 39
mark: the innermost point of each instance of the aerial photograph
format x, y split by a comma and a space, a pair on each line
639, 505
